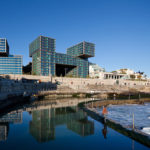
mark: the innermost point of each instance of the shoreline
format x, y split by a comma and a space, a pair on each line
101, 103
135, 134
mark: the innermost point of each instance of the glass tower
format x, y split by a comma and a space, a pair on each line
45, 61
9, 64
4, 47
42, 51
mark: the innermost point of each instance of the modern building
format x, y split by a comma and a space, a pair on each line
9, 64
45, 61
95, 70
4, 47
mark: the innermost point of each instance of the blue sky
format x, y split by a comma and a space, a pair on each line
120, 29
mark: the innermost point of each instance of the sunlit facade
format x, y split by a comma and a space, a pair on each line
9, 64
45, 61
4, 47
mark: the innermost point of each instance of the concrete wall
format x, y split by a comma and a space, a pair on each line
80, 81
72, 82
10, 88
14, 86
19, 77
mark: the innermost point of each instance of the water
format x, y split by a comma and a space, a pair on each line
124, 115
58, 126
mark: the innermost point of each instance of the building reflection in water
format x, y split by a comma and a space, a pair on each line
5, 120
43, 124
4, 128
46, 115
41, 127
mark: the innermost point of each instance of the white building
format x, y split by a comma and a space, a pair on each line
131, 74
114, 75
125, 71
95, 71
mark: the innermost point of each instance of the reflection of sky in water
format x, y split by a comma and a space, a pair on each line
59, 129
124, 114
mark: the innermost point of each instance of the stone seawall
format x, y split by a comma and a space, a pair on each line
75, 83
13, 88
68, 86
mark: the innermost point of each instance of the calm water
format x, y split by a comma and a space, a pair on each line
49, 125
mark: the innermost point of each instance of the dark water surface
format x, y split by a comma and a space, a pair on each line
47, 125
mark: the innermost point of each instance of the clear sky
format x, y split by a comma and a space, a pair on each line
120, 29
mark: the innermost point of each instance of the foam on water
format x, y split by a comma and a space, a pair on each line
146, 130
124, 115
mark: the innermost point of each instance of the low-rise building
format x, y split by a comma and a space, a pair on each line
132, 74
95, 71
125, 71
113, 75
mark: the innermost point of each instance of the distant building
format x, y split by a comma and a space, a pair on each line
125, 71
95, 71
131, 74
45, 61
9, 64
4, 47
122, 74
110, 75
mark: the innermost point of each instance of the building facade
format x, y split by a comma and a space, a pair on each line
45, 61
4, 47
9, 64
95, 71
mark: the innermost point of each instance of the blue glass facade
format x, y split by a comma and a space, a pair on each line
42, 51
4, 47
79, 66
9, 64
83, 50
45, 61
